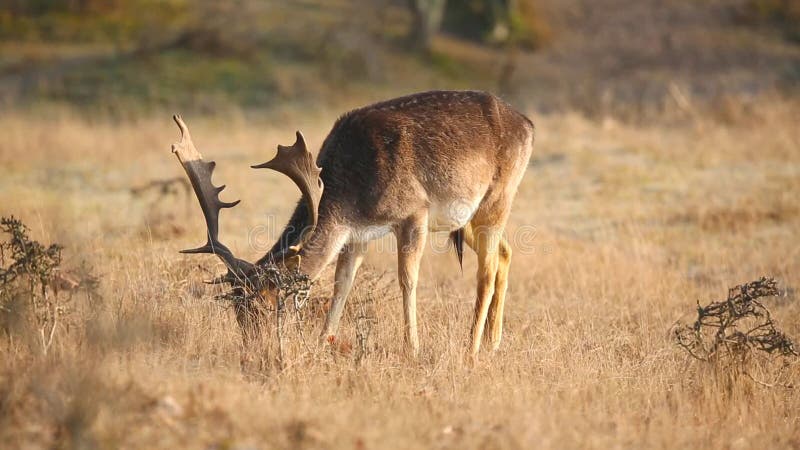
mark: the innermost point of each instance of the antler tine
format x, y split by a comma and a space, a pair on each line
297, 163
199, 173
182, 125
184, 149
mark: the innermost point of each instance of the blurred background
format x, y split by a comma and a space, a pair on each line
628, 59
666, 170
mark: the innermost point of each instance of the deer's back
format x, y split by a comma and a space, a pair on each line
385, 161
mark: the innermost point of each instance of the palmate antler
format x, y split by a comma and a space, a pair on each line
296, 162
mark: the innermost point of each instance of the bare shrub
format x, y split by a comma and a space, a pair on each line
27, 270
733, 331
36, 293
28, 258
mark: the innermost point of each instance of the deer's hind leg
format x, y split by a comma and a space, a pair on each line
495, 319
485, 240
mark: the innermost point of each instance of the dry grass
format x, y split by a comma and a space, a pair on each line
618, 231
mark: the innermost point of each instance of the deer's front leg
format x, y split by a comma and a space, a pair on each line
411, 237
347, 265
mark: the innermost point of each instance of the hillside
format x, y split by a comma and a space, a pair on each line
619, 57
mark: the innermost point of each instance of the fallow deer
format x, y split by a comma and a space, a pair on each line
435, 161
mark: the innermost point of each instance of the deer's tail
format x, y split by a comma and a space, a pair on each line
458, 243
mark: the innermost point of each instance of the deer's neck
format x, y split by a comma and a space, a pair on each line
322, 247
319, 249
289, 236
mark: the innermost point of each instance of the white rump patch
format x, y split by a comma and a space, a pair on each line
451, 215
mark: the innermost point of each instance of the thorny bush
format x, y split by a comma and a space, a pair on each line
35, 294
27, 270
733, 330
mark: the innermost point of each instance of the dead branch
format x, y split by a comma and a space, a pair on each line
732, 330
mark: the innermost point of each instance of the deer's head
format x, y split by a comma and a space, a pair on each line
294, 161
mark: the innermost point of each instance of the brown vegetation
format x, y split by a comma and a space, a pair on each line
602, 269
665, 170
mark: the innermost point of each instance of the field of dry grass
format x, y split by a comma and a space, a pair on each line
617, 230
